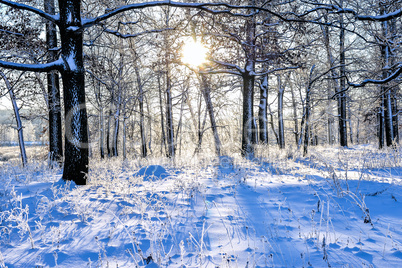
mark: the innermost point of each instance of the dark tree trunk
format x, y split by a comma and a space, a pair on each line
281, 127
109, 118
76, 128
142, 114
343, 132
380, 119
262, 111
247, 121
55, 130
169, 118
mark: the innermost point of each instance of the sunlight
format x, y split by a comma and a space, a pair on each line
193, 53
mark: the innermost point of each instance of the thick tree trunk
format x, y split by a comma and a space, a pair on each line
76, 128
343, 132
247, 121
262, 111
55, 130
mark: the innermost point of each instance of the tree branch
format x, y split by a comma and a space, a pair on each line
52, 18
201, 6
55, 65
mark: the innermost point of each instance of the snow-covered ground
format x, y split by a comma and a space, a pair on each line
334, 208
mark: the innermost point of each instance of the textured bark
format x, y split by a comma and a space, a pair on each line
343, 132
53, 88
247, 120
76, 138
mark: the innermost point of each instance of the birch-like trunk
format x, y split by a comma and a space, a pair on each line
17, 116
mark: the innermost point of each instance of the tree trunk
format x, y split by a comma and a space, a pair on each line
206, 93
247, 121
380, 119
115, 141
343, 135
281, 127
262, 111
163, 135
307, 121
109, 118
296, 126
101, 132
124, 138
13, 99
76, 122
169, 118
55, 130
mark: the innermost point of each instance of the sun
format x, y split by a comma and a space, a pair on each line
193, 53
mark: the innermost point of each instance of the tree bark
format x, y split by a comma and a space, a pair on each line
247, 121
343, 135
281, 127
55, 130
262, 110
73, 75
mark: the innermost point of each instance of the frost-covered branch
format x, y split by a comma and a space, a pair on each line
202, 6
277, 70
393, 76
229, 66
124, 36
52, 18
55, 65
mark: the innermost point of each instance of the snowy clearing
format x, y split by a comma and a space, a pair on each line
335, 208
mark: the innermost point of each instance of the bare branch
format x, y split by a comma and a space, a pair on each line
55, 65
52, 18
393, 76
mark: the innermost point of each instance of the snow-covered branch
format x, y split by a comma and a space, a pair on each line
124, 36
229, 66
202, 6
277, 70
393, 76
55, 65
52, 18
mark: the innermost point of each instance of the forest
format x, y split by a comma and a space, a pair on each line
236, 86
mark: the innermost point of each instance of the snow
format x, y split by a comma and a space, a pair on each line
337, 207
